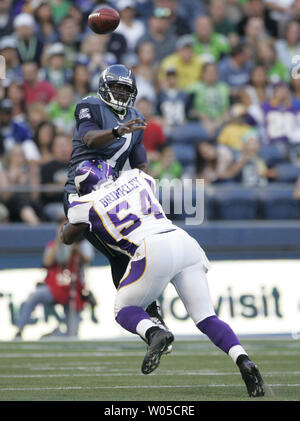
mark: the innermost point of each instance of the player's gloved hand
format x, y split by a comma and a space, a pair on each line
131, 126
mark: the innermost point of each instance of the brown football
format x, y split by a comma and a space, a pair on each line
104, 20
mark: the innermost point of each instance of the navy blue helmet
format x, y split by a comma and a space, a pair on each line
117, 87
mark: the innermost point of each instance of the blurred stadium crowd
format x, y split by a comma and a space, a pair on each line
218, 82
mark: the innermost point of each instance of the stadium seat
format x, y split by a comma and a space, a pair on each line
205, 209
271, 154
188, 133
182, 204
185, 154
287, 173
209, 207
236, 203
279, 204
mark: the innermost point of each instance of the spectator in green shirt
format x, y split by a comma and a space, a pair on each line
167, 166
210, 45
59, 9
221, 23
266, 54
211, 99
61, 111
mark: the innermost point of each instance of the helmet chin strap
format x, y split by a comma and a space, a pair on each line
118, 108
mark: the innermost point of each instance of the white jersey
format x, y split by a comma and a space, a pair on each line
122, 213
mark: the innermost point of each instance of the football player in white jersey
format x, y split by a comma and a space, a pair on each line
125, 213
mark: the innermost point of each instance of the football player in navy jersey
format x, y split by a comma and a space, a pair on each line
108, 127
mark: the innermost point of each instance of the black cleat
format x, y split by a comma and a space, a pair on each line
252, 379
161, 324
154, 312
159, 342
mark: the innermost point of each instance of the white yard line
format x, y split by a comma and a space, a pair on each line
117, 373
128, 354
40, 389
71, 354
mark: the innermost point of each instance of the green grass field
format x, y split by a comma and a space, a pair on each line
110, 371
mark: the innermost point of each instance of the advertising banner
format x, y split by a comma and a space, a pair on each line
254, 297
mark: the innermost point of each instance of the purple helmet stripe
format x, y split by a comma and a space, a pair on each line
89, 175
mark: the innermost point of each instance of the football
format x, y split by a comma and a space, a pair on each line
104, 20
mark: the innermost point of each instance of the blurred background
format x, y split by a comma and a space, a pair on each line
219, 86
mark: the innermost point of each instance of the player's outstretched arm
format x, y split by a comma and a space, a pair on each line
102, 138
72, 233
144, 167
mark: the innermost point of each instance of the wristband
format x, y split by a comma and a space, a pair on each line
115, 131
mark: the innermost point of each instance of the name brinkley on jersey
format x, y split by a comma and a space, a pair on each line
120, 191
118, 208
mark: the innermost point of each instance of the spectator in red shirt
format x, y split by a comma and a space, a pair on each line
63, 284
34, 89
154, 135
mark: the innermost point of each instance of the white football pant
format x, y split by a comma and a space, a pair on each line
168, 257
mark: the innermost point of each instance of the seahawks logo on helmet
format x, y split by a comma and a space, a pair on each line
117, 87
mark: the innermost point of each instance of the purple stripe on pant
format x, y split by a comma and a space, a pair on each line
136, 271
75, 203
219, 332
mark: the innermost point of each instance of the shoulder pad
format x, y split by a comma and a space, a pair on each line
136, 113
90, 100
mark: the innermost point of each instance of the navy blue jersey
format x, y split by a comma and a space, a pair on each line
92, 113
